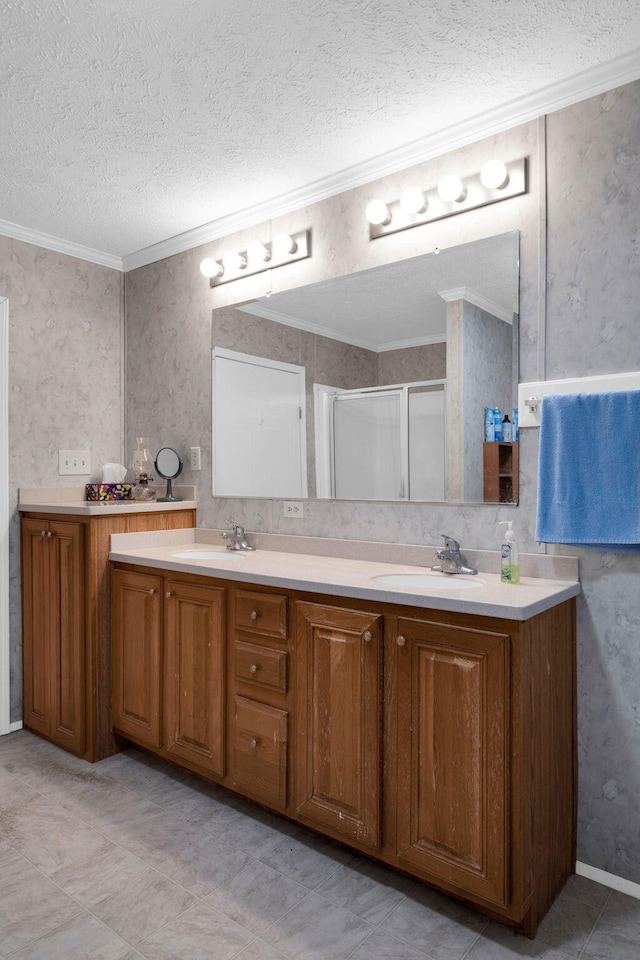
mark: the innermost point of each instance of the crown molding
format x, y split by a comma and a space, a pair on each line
57, 244
477, 300
556, 96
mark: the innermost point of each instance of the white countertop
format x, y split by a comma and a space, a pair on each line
485, 595
71, 500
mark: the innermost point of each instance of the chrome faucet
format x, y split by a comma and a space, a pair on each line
450, 559
236, 537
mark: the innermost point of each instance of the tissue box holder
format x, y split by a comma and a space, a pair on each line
109, 491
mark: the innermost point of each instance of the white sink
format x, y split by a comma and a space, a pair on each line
429, 581
210, 553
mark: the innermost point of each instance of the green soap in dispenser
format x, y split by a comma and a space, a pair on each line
509, 559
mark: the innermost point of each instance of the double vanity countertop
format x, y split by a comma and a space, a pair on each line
70, 500
296, 563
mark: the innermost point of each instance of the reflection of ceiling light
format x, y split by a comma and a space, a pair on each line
258, 253
494, 175
210, 268
377, 212
451, 189
413, 201
231, 260
283, 244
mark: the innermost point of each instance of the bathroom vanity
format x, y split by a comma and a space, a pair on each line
66, 610
431, 727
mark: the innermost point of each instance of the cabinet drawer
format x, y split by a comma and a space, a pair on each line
260, 751
261, 665
261, 613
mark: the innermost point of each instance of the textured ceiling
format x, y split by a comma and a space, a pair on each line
126, 122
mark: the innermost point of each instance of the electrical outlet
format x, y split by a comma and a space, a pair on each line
194, 458
74, 463
293, 508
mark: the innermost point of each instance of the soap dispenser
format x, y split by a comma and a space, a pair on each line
509, 558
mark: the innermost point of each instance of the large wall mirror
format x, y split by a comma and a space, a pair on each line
373, 386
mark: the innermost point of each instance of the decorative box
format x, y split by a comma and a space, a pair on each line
109, 491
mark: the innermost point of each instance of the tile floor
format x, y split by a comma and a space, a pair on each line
131, 858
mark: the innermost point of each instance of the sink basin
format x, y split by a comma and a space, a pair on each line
431, 581
211, 553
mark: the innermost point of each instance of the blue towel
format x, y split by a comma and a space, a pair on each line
589, 471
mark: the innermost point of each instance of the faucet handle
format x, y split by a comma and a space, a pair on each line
451, 545
238, 531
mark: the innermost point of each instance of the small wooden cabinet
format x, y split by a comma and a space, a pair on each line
500, 472
66, 622
441, 743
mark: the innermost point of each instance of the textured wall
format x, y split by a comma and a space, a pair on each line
65, 349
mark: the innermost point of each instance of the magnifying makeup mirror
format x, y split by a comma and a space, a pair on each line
169, 466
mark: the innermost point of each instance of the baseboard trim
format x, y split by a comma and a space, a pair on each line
608, 879
15, 726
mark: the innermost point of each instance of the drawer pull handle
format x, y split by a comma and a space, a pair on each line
254, 614
253, 743
253, 668
168, 594
401, 641
367, 636
152, 589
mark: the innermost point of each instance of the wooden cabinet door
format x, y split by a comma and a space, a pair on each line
452, 780
67, 625
338, 721
137, 650
194, 684
54, 631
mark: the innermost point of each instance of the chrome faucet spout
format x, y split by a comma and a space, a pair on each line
236, 537
450, 560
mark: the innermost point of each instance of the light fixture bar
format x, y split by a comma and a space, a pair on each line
258, 257
475, 195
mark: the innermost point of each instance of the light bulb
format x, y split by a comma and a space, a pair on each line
377, 212
283, 244
451, 189
413, 201
257, 252
232, 260
494, 175
210, 268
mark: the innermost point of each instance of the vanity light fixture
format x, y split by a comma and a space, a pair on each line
496, 181
284, 248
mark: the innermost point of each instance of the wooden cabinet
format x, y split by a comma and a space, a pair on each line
338, 720
168, 667
500, 472
66, 623
54, 634
442, 744
453, 736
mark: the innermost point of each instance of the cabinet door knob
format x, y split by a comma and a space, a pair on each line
253, 743
49, 533
168, 594
254, 614
253, 668
401, 641
43, 533
152, 589
367, 636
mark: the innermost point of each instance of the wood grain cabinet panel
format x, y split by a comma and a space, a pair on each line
263, 614
260, 665
54, 684
452, 817
338, 719
137, 655
260, 751
194, 679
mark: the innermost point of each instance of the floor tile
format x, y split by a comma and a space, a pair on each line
30, 911
202, 865
78, 939
201, 933
209, 812
51, 837
306, 858
259, 950
140, 908
15, 871
365, 888
380, 946
154, 835
568, 924
97, 877
587, 891
317, 930
499, 943
617, 933
143, 773
437, 925
258, 833
257, 896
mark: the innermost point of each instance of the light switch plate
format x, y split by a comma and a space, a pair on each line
74, 463
195, 459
